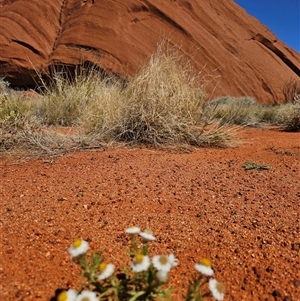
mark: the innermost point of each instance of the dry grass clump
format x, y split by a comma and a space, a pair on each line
291, 90
101, 116
65, 98
15, 115
162, 105
246, 111
21, 128
243, 111
234, 110
289, 115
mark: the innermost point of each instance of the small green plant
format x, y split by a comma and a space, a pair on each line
252, 165
146, 279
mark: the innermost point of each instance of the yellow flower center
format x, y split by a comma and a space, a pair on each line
148, 231
63, 296
138, 258
163, 259
77, 243
102, 266
206, 262
220, 287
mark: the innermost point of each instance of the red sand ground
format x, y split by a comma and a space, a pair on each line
199, 204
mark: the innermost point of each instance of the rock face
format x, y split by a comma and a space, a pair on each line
241, 56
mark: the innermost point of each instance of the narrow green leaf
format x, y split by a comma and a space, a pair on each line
136, 296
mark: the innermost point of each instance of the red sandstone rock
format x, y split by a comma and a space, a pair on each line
219, 37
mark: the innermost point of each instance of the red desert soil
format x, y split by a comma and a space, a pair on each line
199, 204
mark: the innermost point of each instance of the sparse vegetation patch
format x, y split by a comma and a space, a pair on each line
163, 105
252, 165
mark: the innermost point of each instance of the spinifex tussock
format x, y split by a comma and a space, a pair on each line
23, 128
162, 105
65, 98
15, 117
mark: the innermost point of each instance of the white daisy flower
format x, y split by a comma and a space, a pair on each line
87, 296
147, 235
162, 276
217, 289
162, 263
69, 295
78, 247
173, 260
204, 267
106, 270
140, 263
133, 230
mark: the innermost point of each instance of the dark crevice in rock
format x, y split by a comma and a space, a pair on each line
60, 25
82, 47
268, 44
157, 12
139, 8
28, 46
266, 88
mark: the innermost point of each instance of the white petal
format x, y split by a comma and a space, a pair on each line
162, 276
133, 230
107, 272
87, 295
82, 249
207, 271
214, 290
140, 267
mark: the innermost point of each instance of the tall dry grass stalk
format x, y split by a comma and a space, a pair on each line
162, 105
65, 98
